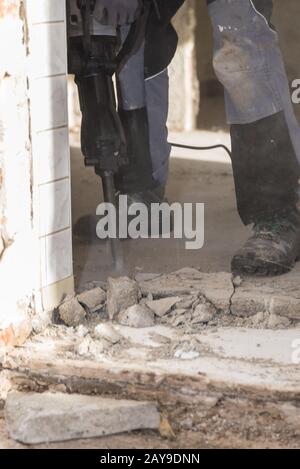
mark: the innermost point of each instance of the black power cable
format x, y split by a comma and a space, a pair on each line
212, 147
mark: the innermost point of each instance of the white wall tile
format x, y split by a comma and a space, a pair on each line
48, 50
58, 259
54, 207
51, 155
39, 11
49, 103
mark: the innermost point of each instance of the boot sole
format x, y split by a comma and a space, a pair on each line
260, 267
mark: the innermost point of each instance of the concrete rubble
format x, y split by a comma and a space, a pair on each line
93, 299
137, 316
174, 328
122, 293
33, 418
163, 306
71, 312
189, 298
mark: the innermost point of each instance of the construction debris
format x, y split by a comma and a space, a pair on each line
107, 332
93, 299
72, 313
33, 418
121, 294
163, 306
138, 316
188, 349
212, 336
92, 348
275, 322
203, 313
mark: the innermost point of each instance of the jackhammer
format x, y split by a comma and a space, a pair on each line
94, 59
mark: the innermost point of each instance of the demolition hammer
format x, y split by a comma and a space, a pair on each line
94, 60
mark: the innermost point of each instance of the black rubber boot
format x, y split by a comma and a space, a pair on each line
273, 248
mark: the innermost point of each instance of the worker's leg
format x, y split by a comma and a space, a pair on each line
138, 98
265, 133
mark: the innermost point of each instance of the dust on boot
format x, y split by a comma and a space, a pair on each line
266, 173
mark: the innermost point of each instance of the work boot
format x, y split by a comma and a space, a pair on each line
273, 248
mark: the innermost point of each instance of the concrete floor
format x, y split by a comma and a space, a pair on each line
194, 177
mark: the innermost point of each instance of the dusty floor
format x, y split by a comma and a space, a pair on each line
148, 440
194, 177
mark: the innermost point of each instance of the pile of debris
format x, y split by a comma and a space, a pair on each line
186, 299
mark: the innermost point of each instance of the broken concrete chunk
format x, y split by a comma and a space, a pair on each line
33, 418
203, 314
187, 302
92, 299
163, 306
247, 303
258, 319
217, 288
137, 316
72, 313
90, 347
285, 306
179, 317
122, 293
275, 322
107, 332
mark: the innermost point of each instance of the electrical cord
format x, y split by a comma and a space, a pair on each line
212, 147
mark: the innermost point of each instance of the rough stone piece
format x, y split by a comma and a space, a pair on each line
258, 319
285, 306
163, 306
33, 418
72, 313
216, 287
107, 332
247, 302
275, 321
203, 313
122, 293
137, 316
92, 299
275, 295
